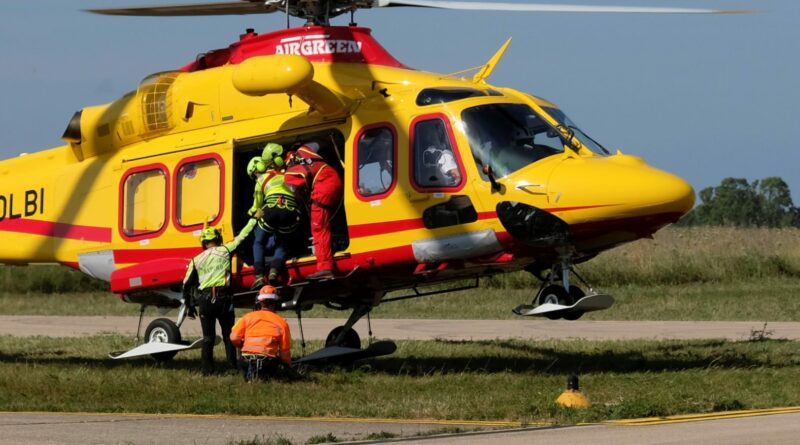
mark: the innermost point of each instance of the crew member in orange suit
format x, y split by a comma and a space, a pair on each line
263, 337
317, 180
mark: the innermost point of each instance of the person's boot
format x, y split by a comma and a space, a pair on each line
273, 276
258, 282
325, 274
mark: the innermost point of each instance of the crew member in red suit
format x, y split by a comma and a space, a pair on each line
318, 181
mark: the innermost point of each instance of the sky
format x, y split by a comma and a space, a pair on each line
702, 96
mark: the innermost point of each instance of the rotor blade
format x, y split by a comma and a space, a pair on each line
227, 8
532, 7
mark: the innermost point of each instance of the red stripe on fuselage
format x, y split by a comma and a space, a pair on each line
135, 256
386, 227
57, 230
382, 228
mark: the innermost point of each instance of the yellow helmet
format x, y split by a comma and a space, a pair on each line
255, 166
273, 155
210, 234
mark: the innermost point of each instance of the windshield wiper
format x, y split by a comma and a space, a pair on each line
570, 137
570, 127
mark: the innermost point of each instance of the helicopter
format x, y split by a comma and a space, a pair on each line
125, 199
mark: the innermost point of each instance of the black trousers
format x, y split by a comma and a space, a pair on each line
213, 310
259, 367
285, 225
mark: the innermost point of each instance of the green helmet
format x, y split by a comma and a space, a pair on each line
255, 166
210, 234
273, 155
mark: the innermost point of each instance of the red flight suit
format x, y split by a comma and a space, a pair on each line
313, 176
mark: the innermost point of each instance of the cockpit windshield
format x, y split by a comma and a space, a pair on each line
508, 137
573, 130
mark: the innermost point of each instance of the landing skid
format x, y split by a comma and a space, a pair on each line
158, 348
594, 302
336, 354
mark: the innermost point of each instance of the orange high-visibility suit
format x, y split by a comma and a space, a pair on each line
319, 180
263, 332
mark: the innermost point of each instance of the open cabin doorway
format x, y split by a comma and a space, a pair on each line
332, 149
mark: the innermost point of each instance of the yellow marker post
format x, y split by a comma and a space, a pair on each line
572, 397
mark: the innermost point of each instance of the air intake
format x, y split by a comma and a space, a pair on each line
73, 132
155, 95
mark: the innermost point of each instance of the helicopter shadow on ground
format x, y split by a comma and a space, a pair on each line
552, 360
512, 357
64, 358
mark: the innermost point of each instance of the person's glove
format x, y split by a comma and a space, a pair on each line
191, 312
258, 214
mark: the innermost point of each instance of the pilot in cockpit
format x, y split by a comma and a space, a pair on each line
438, 159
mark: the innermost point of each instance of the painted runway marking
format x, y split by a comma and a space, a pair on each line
702, 417
645, 421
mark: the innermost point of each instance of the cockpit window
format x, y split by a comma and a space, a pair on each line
508, 137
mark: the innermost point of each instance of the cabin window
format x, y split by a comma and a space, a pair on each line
198, 190
436, 164
144, 202
376, 154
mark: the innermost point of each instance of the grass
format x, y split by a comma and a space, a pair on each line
381, 435
275, 439
688, 255
490, 380
47, 280
320, 438
770, 299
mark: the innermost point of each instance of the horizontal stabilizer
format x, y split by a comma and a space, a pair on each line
157, 347
595, 302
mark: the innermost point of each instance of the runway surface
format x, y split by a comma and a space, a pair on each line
406, 329
775, 427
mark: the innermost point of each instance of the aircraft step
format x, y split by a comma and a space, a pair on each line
339, 353
593, 302
158, 347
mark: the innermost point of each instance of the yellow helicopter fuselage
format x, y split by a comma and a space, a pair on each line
140, 176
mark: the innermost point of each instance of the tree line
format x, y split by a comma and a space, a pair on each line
739, 203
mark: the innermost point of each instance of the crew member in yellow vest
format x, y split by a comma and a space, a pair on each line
261, 172
207, 283
283, 213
